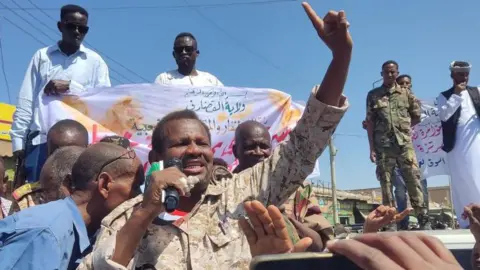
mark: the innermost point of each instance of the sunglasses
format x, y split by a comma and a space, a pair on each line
82, 29
187, 49
130, 154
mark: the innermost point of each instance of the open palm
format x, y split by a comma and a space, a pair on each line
472, 213
267, 232
382, 216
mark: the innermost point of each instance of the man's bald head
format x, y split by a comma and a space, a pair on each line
98, 158
56, 170
118, 140
252, 144
66, 133
103, 177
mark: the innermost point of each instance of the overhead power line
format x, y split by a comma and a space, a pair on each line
55, 31
50, 38
350, 135
94, 48
38, 40
236, 40
28, 22
55, 39
25, 31
171, 7
3, 70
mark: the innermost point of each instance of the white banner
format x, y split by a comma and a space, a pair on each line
428, 140
132, 111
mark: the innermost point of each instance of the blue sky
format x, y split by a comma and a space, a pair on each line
270, 45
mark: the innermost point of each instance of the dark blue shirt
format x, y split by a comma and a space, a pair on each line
47, 236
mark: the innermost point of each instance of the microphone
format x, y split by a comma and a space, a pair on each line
171, 196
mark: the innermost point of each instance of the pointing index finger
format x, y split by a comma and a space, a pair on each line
317, 22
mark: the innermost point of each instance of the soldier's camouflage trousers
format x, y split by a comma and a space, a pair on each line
404, 158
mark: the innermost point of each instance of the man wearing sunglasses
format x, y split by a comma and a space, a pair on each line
207, 235
65, 68
56, 235
185, 52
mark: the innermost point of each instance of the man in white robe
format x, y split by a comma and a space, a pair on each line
459, 111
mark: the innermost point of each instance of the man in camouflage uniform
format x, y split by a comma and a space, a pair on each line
63, 133
208, 236
54, 180
391, 112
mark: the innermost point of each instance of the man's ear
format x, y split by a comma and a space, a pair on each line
154, 156
67, 184
173, 54
234, 148
59, 26
103, 185
151, 156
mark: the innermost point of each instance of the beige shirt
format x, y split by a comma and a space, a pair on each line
210, 237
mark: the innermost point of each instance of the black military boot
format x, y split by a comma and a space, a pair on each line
424, 221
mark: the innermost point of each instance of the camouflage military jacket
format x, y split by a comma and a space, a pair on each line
26, 196
209, 237
391, 111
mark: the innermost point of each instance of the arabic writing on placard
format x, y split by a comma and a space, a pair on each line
428, 141
228, 125
133, 111
428, 137
210, 106
215, 99
431, 163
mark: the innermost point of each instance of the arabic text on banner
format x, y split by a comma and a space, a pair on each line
427, 141
133, 111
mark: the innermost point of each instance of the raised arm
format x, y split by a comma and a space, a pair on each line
446, 108
276, 178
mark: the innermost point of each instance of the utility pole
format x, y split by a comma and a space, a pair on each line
375, 82
333, 153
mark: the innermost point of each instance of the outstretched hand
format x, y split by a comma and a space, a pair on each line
403, 250
472, 213
332, 29
382, 216
268, 233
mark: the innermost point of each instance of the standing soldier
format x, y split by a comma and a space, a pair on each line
391, 112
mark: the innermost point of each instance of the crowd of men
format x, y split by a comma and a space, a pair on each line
83, 208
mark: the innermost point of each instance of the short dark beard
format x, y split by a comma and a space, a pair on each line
185, 70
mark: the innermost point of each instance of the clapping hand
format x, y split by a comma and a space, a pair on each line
382, 216
267, 233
